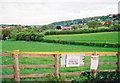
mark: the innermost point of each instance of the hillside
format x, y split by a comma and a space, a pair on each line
85, 21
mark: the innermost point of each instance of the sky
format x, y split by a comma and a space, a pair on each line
41, 12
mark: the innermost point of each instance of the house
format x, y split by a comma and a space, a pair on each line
66, 28
101, 23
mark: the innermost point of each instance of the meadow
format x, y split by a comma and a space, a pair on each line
30, 46
103, 37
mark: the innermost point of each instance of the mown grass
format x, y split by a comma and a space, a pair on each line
103, 37
30, 46
50, 61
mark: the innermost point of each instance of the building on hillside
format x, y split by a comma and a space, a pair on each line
101, 23
66, 28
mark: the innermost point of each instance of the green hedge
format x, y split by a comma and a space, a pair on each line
29, 36
81, 43
80, 31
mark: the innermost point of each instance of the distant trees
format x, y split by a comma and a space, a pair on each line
6, 33
74, 27
19, 28
44, 27
108, 23
93, 24
51, 26
25, 30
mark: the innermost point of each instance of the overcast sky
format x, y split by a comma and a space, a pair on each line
40, 12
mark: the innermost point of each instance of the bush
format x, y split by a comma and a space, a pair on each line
6, 33
81, 43
29, 36
114, 28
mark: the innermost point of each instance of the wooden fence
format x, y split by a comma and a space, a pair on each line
16, 65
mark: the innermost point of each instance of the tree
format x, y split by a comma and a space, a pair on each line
93, 24
25, 30
44, 27
6, 33
74, 27
51, 26
19, 28
108, 23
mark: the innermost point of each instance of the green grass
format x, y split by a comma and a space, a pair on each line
30, 46
103, 37
50, 61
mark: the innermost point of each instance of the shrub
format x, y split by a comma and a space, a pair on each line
114, 28
81, 43
6, 33
29, 36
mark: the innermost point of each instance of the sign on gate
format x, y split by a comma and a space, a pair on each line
68, 60
94, 62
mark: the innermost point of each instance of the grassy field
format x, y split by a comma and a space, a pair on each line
30, 46
107, 37
50, 61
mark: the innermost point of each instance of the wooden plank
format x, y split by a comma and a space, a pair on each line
34, 75
107, 53
57, 66
36, 55
56, 53
6, 66
16, 65
39, 66
94, 71
118, 61
67, 52
87, 64
6, 54
75, 73
6, 76
106, 70
35, 66
107, 63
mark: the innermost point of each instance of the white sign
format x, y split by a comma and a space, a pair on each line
94, 62
68, 60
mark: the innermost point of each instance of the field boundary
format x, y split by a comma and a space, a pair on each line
56, 65
81, 43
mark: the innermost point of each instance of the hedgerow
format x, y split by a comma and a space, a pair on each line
29, 36
54, 32
81, 43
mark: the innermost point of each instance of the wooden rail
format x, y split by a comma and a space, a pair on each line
56, 55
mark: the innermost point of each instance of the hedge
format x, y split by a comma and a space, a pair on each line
29, 36
80, 31
81, 43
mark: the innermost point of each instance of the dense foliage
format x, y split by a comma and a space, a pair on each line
86, 20
6, 33
93, 24
81, 43
54, 32
29, 36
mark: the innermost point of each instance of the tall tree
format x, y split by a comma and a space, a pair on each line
108, 23
93, 24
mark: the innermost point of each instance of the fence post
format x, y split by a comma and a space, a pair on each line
118, 61
56, 65
94, 71
16, 65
